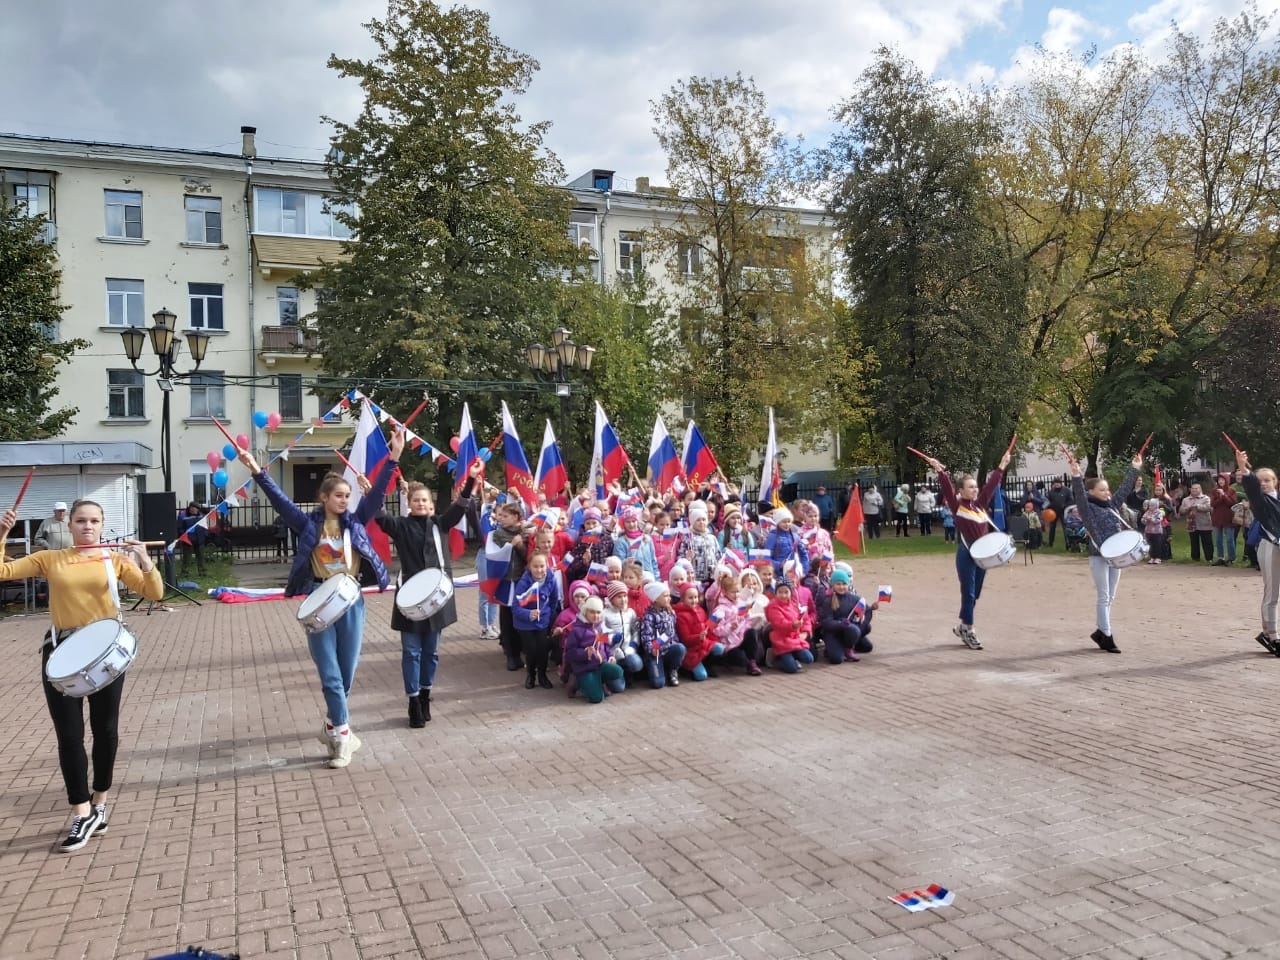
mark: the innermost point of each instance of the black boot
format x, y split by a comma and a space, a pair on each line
544, 681
1100, 639
424, 701
415, 712
529, 679
1110, 644
514, 662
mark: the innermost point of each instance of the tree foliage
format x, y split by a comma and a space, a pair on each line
937, 295
757, 318
29, 315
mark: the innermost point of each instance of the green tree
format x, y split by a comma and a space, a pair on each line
29, 315
757, 318
462, 232
937, 294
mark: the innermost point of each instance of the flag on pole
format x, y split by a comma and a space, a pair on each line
497, 562
518, 474
664, 462
468, 450
699, 462
770, 474
607, 457
551, 474
368, 450
849, 530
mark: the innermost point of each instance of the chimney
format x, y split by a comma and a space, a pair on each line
247, 147
642, 184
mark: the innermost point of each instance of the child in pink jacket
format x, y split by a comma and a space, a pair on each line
788, 639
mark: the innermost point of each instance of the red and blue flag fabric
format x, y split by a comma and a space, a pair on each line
735, 559
546, 517
468, 449
519, 476
699, 462
552, 477
369, 451
529, 598
884, 594
608, 459
664, 462
495, 585
597, 573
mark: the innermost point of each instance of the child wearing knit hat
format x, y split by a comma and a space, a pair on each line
846, 621
659, 643
587, 652
624, 633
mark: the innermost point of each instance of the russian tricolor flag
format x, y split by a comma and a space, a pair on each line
884, 594
497, 562
607, 458
529, 598
734, 559
760, 555
664, 462
552, 475
546, 517
699, 462
468, 450
518, 474
860, 608
369, 451
597, 573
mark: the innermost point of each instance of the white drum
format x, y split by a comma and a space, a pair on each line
91, 658
993, 550
1124, 549
424, 594
328, 602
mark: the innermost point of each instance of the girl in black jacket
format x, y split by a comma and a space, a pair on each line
1260, 487
421, 540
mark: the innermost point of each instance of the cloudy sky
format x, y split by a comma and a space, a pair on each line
188, 73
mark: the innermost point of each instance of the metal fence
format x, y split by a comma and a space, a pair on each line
250, 531
888, 485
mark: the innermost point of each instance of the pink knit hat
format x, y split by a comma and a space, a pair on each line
616, 587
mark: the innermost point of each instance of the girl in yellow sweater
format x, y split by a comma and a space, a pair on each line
79, 594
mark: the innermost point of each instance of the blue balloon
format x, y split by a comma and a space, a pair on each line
219, 477
260, 419
229, 451
485, 454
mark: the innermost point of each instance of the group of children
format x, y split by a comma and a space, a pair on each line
627, 591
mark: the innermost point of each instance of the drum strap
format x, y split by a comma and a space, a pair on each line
56, 636
1115, 513
994, 529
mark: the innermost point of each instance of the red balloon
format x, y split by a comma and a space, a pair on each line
454, 442
242, 441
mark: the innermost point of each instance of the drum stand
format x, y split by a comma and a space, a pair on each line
171, 589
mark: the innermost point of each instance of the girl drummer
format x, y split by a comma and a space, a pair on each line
1100, 512
80, 593
969, 505
326, 538
1260, 487
420, 538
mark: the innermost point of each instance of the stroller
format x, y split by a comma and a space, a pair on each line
1073, 529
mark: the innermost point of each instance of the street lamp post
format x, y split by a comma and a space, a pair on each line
166, 346
557, 362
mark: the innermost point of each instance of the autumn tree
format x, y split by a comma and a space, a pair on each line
937, 294
752, 286
462, 229
29, 313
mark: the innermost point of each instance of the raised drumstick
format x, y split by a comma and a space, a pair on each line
1231, 443
1146, 443
25, 483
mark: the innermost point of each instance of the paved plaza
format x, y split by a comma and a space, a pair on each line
1079, 804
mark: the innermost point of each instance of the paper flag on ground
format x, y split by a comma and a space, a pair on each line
930, 898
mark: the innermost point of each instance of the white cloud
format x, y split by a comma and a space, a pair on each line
1067, 30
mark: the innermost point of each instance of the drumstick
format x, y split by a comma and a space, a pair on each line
122, 543
230, 439
25, 483
922, 456
1231, 443
346, 461
1145, 443
1011, 444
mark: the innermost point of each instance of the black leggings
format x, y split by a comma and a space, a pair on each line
68, 722
536, 645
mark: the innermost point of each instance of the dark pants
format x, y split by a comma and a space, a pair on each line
841, 638
926, 523
67, 714
511, 642
1035, 539
1202, 540
872, 521
536, 645
949, 534
1053, 530
1156, 542
665, 663
971, 578
903, 521
187, 550
593, 683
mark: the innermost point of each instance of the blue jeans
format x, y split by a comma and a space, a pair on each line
790, 662
419, 657
668, 661
971, 576
488, 611
1105, 580
1227, 534
335, 652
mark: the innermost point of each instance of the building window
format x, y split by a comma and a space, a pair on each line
689, 258
30, 190
297, 212
287, 302
630, 250
202, 488
208, 395
206, 305
124, 214
290, 401
687, 409
124, 303
204, 219
582, 232
125, 394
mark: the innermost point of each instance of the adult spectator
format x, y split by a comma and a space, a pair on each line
54, 533
189, 525
1059, 499
1158, 492
845, 498
826, 508
925, 503
1033, 496
1198, 510
902, 510
872, 511
1221, 500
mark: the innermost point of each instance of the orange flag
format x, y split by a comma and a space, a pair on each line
849, 530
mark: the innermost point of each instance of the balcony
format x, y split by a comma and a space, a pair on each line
287, 341
49, 232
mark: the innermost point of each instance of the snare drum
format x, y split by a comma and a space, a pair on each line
91, 658
328, 602
424, 594
1124, 549
993, 550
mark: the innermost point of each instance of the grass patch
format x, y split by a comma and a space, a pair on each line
890, 546
219, 571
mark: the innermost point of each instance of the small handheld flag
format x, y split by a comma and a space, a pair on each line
529, 598
884, 594
597, 573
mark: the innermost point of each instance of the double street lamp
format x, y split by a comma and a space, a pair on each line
557, 362
166, 346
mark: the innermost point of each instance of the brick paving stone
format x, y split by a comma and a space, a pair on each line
1078, 804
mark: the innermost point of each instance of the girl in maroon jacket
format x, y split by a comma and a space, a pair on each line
969, 505
691, 628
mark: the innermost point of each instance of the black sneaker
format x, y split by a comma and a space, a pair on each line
82, 828
101, 810
1267, 645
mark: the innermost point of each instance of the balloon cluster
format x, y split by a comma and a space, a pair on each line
262, 420
455, 442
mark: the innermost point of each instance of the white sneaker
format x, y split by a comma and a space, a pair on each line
345, 744
328, 736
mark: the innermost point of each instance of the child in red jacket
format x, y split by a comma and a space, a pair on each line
691, 628
788, 640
